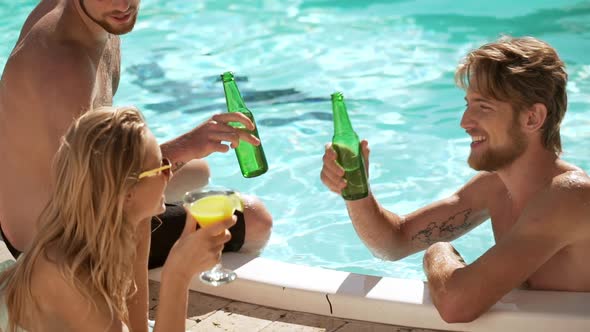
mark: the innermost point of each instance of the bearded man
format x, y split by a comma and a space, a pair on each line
539, 205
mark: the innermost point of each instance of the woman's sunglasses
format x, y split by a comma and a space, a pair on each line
166, 168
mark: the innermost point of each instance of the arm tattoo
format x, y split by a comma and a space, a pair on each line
445, 230
177, 166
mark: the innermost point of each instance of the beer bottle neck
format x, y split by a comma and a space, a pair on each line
232, 96
342, 123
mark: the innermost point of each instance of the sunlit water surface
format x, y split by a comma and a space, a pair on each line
393, 60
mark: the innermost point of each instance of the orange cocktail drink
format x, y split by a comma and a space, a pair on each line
209, 210
209, 206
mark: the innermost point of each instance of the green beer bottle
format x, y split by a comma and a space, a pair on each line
250, 157
347, 146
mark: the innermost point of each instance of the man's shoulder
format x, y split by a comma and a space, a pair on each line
49, 70
571, 180
65, 58
41, 53
571, 186
564, 205
485, 182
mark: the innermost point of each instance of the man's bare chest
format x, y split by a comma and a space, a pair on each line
107, 78
503, 216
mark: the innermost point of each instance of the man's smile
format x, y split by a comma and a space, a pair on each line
477, 140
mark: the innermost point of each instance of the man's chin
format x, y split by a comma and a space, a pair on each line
119, 30
473, 162
477, 164
474, 166
488, 164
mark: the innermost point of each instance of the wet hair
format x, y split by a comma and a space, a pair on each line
84, 224
522, 72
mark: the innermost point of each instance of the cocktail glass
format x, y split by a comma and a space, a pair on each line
208, 206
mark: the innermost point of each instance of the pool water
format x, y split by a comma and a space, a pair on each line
393, 60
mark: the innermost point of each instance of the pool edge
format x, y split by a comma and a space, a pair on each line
386, 300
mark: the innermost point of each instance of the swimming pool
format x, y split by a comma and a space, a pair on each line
394, 61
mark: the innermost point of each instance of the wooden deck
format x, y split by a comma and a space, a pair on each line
215, 314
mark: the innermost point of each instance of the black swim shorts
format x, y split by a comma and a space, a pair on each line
15, 253
165, 235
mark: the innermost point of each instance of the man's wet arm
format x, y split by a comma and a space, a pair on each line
448, 228
177, 165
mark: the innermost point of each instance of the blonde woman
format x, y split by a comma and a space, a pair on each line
109, 177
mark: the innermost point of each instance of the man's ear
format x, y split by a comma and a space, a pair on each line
534, 117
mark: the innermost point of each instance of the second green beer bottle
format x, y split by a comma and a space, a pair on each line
347, 146
250, 157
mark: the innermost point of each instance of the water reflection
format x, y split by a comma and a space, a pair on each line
182, 95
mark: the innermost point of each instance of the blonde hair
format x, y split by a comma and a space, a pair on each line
95, 167
521, 72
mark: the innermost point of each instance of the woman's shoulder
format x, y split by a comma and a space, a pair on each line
61, 301
54, 291
48, 285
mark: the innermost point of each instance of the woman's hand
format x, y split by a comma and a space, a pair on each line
198, 250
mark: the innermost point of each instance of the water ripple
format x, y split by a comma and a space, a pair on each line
393, 59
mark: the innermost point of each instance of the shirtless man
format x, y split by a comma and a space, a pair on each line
66, 61
539, 205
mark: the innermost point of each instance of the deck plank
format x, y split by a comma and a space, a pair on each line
304, 322
238, 316
208, 313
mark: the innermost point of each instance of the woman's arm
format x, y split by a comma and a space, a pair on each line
194, 252
138, 303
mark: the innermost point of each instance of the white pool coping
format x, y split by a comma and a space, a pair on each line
387, 300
